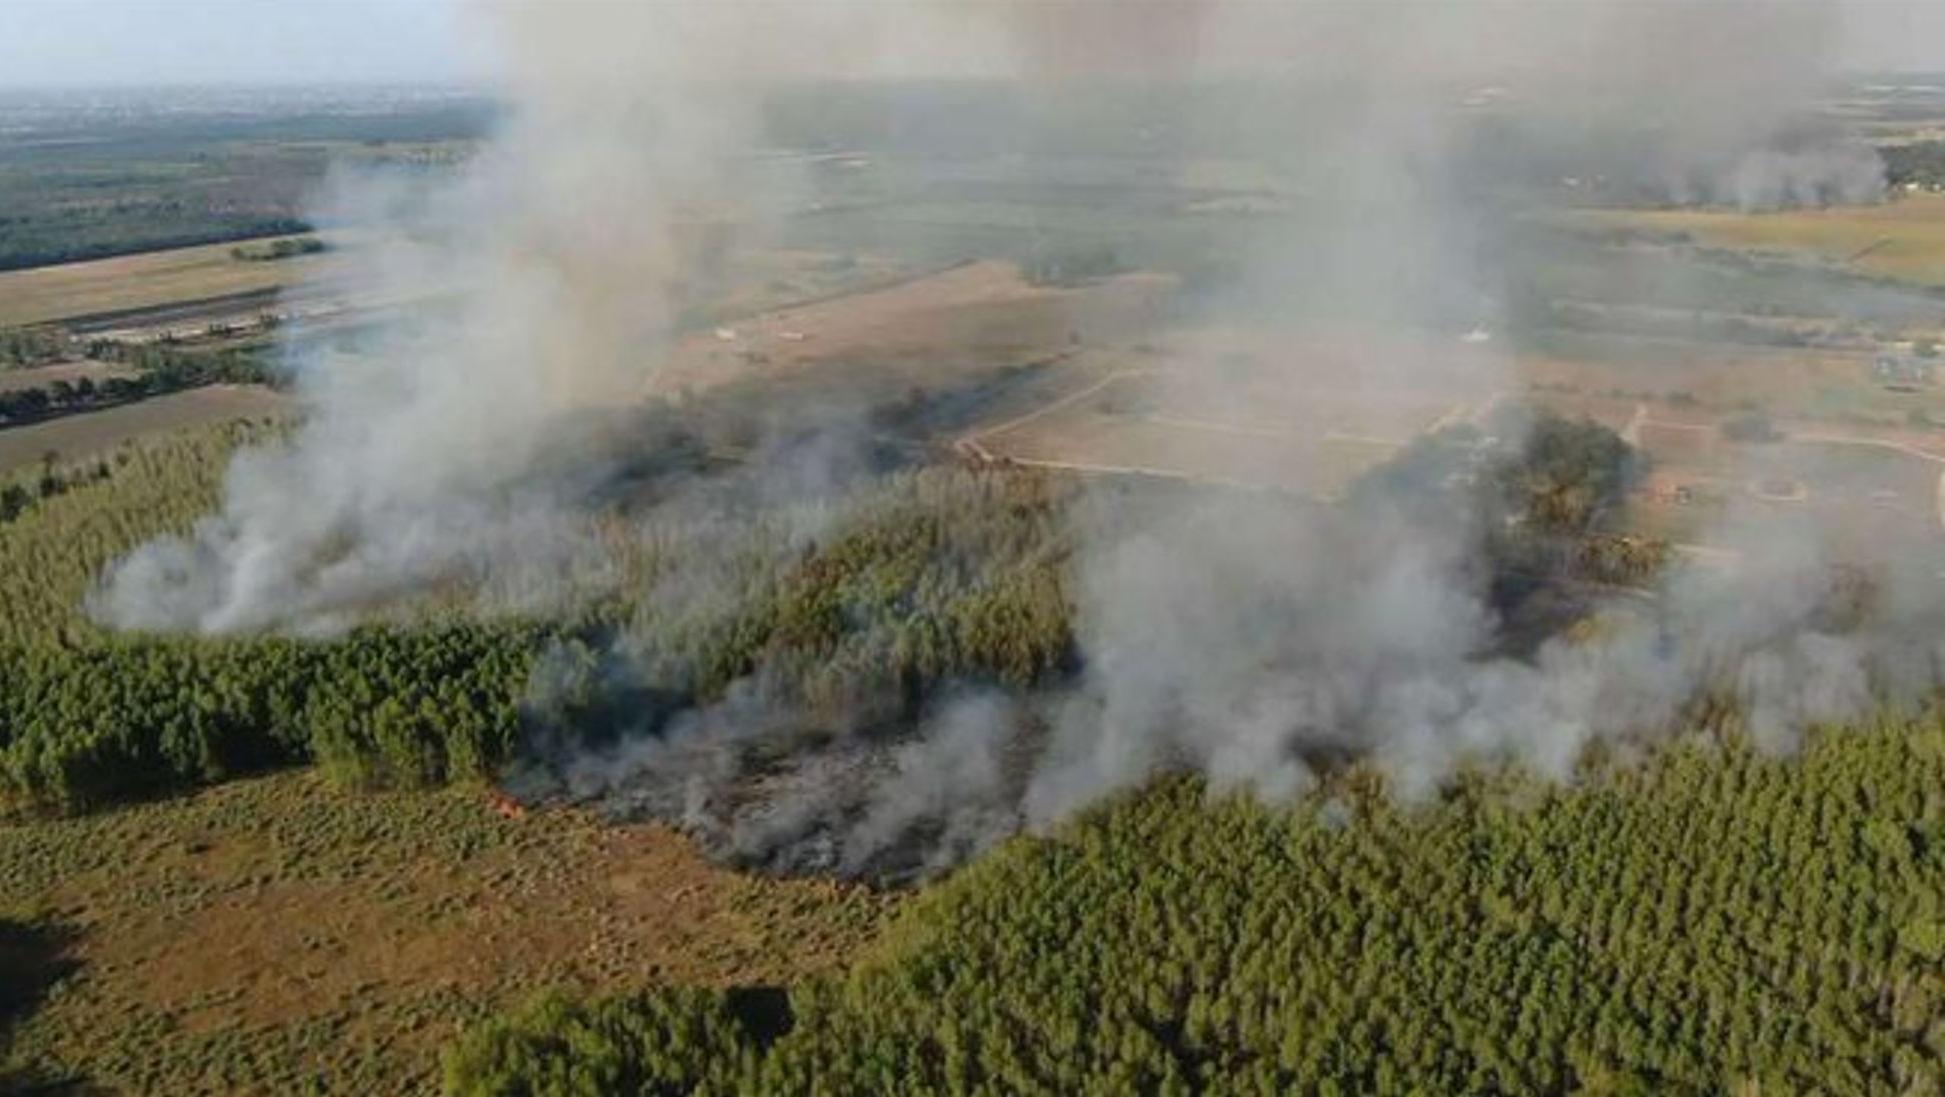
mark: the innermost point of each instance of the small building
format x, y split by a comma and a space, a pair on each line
1901, 368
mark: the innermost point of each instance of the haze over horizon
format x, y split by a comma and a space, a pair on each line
105, 43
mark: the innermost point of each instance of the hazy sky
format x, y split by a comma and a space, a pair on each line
84, 42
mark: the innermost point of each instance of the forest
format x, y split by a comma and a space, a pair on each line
75, 185
917, 581
932, 575
1715, 922
1511, 936
1920, 163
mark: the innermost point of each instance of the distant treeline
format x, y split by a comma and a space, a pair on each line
1921, 162
159, 370
103, 236
289, 247
95, 185
1693, 326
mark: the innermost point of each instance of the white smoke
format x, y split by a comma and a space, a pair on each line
1241, 641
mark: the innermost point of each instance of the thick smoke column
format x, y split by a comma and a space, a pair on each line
558, 256
631, 132
1284, 637
1714, 103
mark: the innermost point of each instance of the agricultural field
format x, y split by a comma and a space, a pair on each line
1686, 381
153, 281
971, 314
1902, 239
1264, 407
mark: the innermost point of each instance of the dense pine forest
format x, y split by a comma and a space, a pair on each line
1716, 922
932, 575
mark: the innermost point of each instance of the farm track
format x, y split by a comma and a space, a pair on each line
971, 444
1938, 501
172, 312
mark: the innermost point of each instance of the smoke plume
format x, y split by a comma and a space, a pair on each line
1248, 641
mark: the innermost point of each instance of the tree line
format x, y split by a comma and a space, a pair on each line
159, 370
31, 346
102, 233
289, 247
1919, 162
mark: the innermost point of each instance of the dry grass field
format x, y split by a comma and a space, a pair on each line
47, 294
1904, 238
1299, 454
73, 437
921, 330
280, 932
1866, 492
1306, 411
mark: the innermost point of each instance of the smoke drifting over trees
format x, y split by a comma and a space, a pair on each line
1213, 631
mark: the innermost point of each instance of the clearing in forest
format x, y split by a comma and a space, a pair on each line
275, 932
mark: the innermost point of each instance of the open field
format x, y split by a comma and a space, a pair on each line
1083, 436
277, 933
1903, 239
920, 330
1868, 494
1799, 382
770, 280
1293, 412
147, 281
138, 297
76, 436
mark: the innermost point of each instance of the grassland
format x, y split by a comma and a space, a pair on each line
274, 934
1902, 239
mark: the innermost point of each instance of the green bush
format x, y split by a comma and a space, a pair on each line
665, 1044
